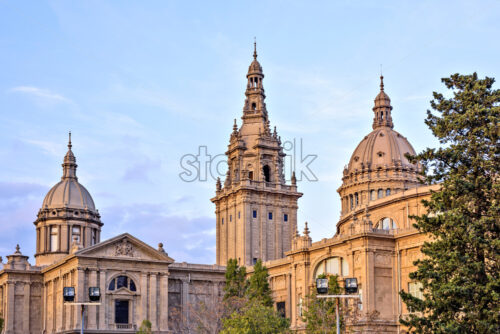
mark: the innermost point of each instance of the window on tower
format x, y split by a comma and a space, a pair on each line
250, 175
75, 234
285, 217
270, 215
254, 106
254, 213
380, 193
267, 173
54, 240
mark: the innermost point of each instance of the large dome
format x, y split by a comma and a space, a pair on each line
383, 147
378, 166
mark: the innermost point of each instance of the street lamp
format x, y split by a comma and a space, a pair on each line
69, 294
94, 297
351, 285
321, 285
94, 294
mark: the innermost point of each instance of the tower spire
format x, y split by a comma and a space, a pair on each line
69, 164
255, 48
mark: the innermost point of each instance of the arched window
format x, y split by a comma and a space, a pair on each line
267, 173
380, 193
254, 106
387, 192
332, 266
356, 199
250, 175
122, 282
351, 202
372, 195
386, 224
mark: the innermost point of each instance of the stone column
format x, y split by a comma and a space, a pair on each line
92, 309
163, 321
102, 308
153, 293
144, 296
370, 281
9, 310
185, 299
58, 301
80, 278
26, 308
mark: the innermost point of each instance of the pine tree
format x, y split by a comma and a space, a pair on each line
460, 273
258, 285
236, 282
255, 318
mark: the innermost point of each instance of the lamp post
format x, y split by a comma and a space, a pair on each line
94, 297
351, 287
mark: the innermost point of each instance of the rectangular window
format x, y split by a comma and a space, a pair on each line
222, 221
254, 260
239, 215
54, 240
281, 308
254, 213
75, 234
270, 215
285, 217
230, 218
94, 236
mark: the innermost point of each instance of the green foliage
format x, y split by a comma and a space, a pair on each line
319, 315
236, 283
258, 287
255, 318
145, 327
461, 269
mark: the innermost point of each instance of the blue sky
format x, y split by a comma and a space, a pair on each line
142, 83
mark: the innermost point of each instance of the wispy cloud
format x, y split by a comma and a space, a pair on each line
40, 93
48, 147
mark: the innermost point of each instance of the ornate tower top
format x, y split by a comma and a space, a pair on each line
249, 228
69, 165
382, 108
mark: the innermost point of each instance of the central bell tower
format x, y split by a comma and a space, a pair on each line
256, 210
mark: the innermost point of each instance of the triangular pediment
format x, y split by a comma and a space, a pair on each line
125, 246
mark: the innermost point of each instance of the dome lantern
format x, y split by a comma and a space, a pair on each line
68, 213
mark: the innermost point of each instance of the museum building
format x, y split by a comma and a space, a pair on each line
256, 218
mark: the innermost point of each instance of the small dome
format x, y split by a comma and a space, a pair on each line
382, 100
68, 193
383, 147
255, 67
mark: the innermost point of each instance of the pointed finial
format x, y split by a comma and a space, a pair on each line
306, 230
381, 82
294, 179
254, 48
235, 126
69, 141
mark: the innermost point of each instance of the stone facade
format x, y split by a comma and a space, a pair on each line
256, 218
136, 281
375, 240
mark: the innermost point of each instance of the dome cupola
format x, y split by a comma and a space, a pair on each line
378, 166
68, 215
